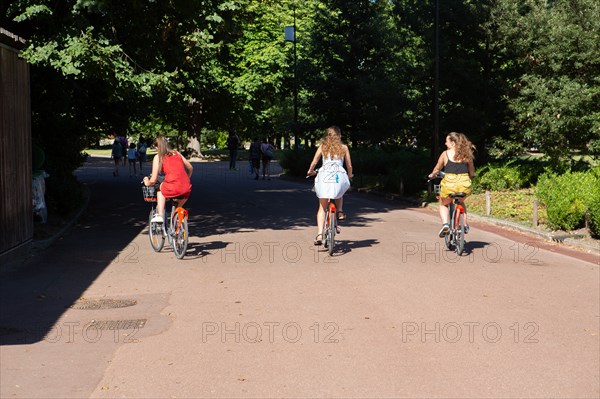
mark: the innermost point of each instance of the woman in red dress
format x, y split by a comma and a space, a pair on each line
177, 171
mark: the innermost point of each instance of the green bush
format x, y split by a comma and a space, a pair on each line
64, 194
593, 212
509, 176
568, 197
593, 216
296, 162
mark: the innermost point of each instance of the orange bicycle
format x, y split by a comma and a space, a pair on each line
330, 226
455, 239
176, 229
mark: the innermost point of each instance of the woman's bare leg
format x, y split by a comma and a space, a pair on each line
321, 214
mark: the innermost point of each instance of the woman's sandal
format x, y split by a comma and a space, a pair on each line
341, 215
318, 241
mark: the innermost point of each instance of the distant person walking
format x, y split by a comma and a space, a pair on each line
141, 151
233, 142
266, 150
132, 158
124, 146
255, 155
116, 154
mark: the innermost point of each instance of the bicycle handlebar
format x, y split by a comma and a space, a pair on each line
316, 171
438, 175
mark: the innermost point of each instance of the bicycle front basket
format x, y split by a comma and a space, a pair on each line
149, 193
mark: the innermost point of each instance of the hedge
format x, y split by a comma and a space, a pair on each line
571, 198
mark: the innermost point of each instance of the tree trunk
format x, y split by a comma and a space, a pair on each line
194, 121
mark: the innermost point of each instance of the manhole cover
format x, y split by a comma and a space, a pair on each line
96, 304
118, 324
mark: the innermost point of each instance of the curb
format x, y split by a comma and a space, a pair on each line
570, 239
39, 245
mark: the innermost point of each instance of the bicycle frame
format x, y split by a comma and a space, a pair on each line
329, 227
455, 239
174, 228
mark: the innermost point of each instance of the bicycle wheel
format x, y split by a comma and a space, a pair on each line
179, 236
170, 227
325, 232
449, 238
332, 224
460, 234
155, 232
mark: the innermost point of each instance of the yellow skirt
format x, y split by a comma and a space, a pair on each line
453, 183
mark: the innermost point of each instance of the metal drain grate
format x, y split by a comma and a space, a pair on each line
98, 304
118, 324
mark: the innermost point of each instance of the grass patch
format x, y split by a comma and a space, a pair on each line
107, 151
514, 205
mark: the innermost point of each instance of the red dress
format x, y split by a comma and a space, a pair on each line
177, 182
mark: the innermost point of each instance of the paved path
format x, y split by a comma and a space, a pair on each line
254, 310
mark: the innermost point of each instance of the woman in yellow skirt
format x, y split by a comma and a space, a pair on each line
457, 163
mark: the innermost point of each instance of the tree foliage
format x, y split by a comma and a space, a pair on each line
513, 73
555, 97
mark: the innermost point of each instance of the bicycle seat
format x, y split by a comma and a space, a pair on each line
458, 195
175, 198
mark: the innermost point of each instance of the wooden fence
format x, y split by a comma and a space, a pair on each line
16, 214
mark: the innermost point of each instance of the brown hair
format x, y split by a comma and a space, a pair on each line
163, 149
331, 145
463, 149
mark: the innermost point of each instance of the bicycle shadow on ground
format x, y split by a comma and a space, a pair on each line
470, 246
343, 247
201, 250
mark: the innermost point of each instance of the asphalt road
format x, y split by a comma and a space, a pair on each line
255, 310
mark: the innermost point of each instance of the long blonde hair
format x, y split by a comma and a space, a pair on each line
331, 145
463, 148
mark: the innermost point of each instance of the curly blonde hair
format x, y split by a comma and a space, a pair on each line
463, 149
332, 145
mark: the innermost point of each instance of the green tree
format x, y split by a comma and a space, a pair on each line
555, 99
347, 71
261, 67
119, 61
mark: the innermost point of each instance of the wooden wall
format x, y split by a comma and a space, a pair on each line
16, 213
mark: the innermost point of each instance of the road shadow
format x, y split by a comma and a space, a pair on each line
343, 247
470, 247
202, 250
34, 296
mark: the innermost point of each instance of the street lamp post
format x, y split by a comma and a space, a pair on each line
436, 84
290, 36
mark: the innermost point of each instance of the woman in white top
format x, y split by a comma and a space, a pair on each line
332, 180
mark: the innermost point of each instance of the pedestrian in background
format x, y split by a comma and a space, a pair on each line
233, 142
132, 158
116, 154
255, 155
141, 151
266, 150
